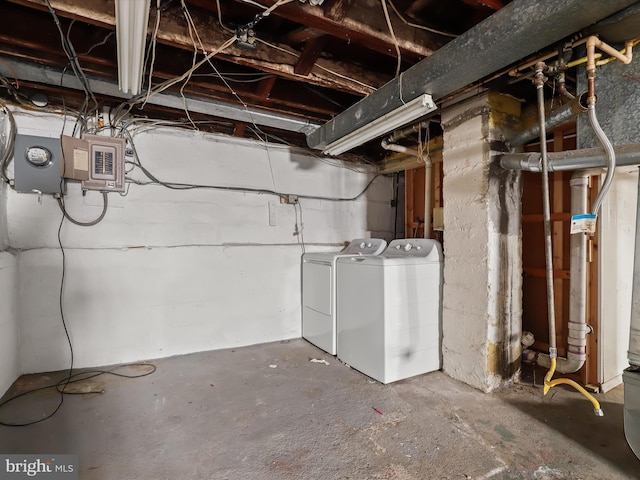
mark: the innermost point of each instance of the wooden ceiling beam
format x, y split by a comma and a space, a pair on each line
265, 86
492, 4
238, 129
310, 54
337, 10
301, 35
362, 24
276, 59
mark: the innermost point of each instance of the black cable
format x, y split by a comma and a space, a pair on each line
75, 378
4, 162
66, 331
191, 186
84, 224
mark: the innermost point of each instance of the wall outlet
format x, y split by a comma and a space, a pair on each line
289, 199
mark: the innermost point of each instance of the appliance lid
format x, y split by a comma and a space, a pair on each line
414, 247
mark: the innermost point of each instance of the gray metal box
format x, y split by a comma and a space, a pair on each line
631, 378
31, 178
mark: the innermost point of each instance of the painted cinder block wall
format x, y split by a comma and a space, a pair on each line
171, 272
482, 298
9, 368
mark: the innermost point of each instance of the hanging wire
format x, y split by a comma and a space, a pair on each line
393, 36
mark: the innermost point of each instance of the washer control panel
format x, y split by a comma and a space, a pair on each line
411, 247
365, 246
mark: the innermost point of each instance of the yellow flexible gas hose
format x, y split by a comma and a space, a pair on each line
548, 384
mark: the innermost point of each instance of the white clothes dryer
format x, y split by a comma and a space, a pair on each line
319, 290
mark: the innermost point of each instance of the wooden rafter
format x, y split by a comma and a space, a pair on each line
362, 24
265, 86
273, 58
492, 4
337, 9
309, 56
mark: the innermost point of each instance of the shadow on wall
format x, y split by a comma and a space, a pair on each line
303, 162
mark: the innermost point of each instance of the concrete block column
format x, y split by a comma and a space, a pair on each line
482, 304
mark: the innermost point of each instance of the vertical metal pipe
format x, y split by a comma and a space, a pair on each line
611, 158
546, 211
427, 197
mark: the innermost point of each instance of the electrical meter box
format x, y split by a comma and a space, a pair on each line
37, 164
95, 160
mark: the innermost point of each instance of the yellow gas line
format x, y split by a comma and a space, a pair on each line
549, 384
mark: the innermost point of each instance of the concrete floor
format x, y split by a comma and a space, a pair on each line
231, 414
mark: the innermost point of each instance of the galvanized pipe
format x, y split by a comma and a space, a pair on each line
546, 211
559, 116
626, 155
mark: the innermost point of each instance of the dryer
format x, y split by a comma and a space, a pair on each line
319, 290
390, 310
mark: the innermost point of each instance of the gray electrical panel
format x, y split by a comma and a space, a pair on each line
36, 163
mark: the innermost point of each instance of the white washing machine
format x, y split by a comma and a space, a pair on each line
390, 310
319, 290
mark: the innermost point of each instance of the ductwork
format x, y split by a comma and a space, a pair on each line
557, 117
502, 39
51, 76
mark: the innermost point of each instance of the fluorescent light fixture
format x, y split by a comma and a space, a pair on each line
408, 112
132, 18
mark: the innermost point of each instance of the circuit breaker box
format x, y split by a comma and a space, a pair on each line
95, 160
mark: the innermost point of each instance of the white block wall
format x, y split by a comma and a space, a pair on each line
9, 368
482, 299
617, 243
171, 272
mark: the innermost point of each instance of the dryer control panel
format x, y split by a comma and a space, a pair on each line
365, 246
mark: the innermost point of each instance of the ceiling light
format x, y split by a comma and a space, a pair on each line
407, 113
132, 18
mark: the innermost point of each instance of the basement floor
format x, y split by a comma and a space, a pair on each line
268, 412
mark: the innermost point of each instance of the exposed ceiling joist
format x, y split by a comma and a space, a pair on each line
310, 54
337, 9
499, 41
250, 115
278, 59
361, 24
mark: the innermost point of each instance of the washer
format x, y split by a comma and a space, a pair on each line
319, 290
389, 310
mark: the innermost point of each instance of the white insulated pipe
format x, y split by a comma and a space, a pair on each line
578, 328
